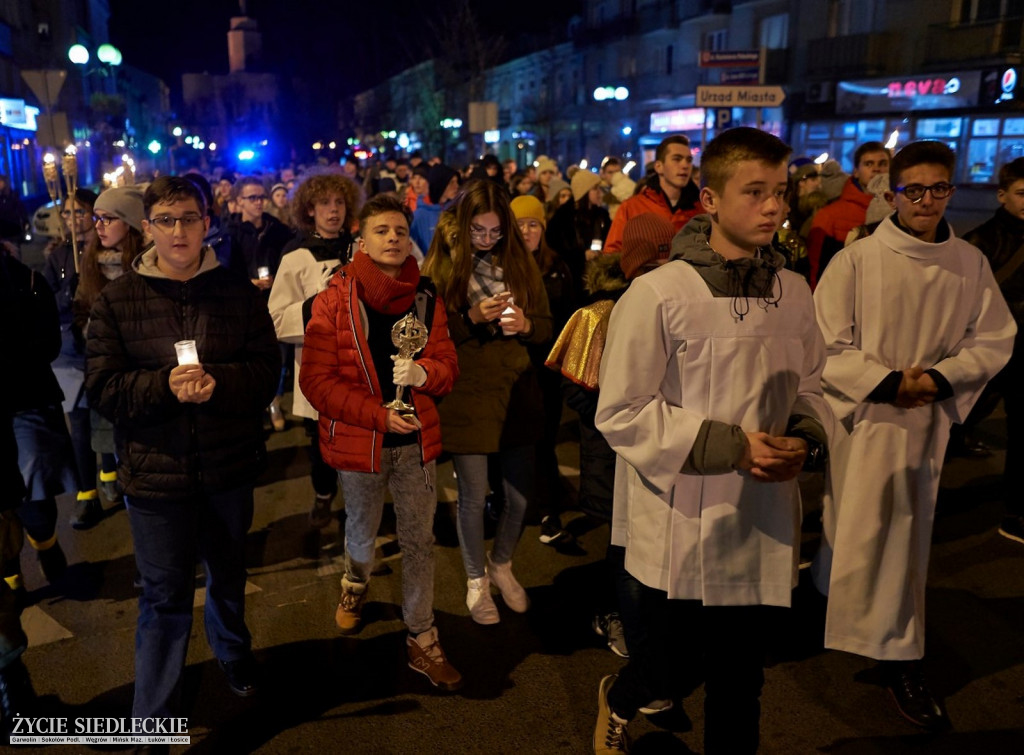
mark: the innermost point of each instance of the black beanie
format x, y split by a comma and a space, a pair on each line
440, 177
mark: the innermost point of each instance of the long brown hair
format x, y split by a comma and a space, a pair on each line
91, 280
452, 276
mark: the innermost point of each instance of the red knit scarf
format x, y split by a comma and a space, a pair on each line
379, 291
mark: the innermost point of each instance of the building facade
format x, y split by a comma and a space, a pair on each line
628, 71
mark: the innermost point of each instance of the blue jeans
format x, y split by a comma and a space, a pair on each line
169, 536
517, 476
412, 489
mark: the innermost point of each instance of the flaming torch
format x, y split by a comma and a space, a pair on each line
53, 184
70, 165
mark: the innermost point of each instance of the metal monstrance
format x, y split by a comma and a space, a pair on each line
409, 335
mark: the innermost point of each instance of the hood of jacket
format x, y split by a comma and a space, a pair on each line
744, 277
603, 276
145, 263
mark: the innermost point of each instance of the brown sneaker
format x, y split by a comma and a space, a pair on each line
427, 657
349, 616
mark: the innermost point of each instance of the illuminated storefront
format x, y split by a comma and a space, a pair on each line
978, 113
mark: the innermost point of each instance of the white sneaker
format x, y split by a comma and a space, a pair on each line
479, 601
655, 706
511, 591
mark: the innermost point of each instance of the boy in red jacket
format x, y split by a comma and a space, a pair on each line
350, 370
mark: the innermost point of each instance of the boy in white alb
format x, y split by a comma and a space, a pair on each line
711, 399
915, 326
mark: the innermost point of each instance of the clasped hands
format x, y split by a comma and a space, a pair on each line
773, 458
916, 389
191, 384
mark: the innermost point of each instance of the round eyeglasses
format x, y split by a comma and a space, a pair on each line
484, 234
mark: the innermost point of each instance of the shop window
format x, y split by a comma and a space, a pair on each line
985, 127
1013, 127
846, 130
981, 160
818, 132
871, 131
1010, 150
938, 128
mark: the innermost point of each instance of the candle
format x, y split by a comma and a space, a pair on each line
187, 352
263, 272
507, 311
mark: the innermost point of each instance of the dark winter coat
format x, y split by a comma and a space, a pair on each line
999, 238
29, 338
253, 248
571, 231
496, 402
168, 450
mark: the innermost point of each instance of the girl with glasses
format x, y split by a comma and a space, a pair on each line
497, 307
117, 241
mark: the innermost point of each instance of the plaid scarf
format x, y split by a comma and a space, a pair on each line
487, 280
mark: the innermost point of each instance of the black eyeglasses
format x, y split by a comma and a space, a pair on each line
104, 220
166, 223
256, 198
78, 213
915, 192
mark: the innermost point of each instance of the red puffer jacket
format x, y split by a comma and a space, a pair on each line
338, 378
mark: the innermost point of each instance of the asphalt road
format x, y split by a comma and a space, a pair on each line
531, 681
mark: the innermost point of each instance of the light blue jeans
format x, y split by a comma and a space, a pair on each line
517, 477
412, 490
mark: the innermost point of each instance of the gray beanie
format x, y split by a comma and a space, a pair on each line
125, 202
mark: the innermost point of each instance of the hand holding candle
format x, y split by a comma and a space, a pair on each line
187, 352
191, 384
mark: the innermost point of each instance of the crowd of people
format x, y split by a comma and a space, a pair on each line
712, 337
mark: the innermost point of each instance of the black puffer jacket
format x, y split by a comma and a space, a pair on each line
168, 450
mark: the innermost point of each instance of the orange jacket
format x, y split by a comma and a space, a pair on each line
835, 220
648, 200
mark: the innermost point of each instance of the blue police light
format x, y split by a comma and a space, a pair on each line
154, 147
246, 154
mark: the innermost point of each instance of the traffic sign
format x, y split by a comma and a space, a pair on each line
739, 76
45, 85
740, 96
723, 118
729, 58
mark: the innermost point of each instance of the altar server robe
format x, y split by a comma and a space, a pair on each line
891, 302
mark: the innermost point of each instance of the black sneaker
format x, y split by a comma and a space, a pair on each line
913, 699
320, 514
551, 530
1012, 528
87, 514
241, 675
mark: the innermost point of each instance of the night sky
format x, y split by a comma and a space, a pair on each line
349, 46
